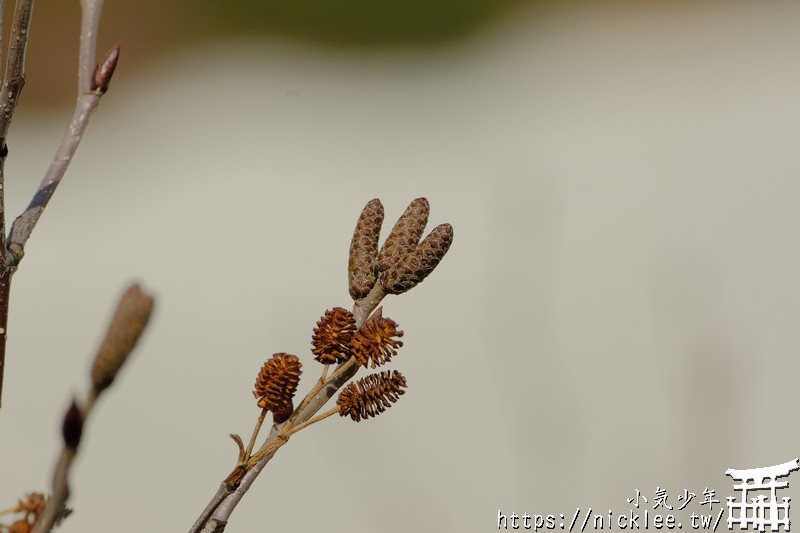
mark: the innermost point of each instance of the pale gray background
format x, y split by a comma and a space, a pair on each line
619, 309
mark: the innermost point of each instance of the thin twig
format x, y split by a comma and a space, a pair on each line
24, 224
13, 82
253, 437
15, 66
90, 22
294, 429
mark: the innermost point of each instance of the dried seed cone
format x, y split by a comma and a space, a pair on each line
130, 319
373, 341
371, 395
332, 336
362, 270
277, 382
417, 265
405, 234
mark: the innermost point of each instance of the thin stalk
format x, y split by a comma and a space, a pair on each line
256, 429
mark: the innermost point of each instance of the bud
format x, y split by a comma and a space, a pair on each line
105, 70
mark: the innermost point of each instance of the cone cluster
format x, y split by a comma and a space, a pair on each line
403, 261
336, 339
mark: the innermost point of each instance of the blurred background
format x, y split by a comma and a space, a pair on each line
618, 311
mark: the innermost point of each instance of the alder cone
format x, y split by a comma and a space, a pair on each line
374, 340
362, 270
417, 265
332, 336
371, 395
277, 382
405, 234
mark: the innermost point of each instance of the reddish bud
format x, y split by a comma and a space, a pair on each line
72, 427
105, 69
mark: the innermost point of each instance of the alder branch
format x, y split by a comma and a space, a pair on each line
216, 514
398, 266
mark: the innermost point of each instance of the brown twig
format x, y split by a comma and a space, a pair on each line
13, 82
253, 437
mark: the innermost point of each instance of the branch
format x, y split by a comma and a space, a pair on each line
87, 103
90, 22
398, 266
215, 518
13, 82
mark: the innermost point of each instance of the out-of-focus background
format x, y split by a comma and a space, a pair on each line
619, 310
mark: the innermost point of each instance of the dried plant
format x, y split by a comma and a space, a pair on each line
349, 340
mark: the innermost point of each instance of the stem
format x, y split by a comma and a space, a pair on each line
15, 67
90, 22
256, 429
5, 291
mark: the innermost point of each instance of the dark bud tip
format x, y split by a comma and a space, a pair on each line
73, 427
283, 415
105, 69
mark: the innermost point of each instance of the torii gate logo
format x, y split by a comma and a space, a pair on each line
761, 512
